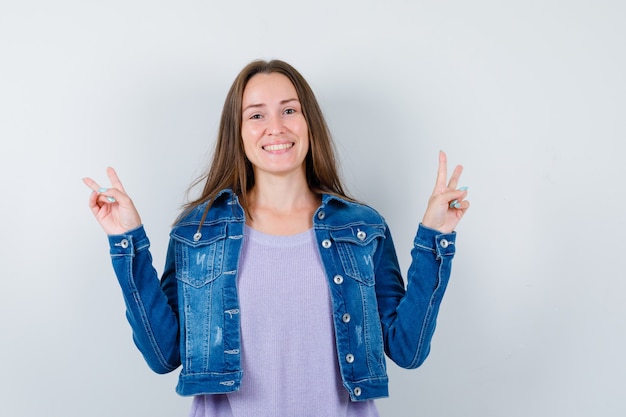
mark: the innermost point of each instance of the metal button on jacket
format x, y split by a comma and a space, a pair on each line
361, 235
444, 243
338, 279
345, 318
357, 391
321, 215
349, 358
326, 243
124, 243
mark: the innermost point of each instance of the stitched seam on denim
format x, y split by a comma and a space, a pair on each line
143, 314
213, 222
347, 260
186, 309
231, 341
366, 334
337, 301
144, 320
209, 319
427, 248
350, 225
371, 379
427, 318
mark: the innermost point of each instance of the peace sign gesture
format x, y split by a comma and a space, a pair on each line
112, 207
447, 204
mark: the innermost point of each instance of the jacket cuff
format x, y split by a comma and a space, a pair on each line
128, 243
443, 244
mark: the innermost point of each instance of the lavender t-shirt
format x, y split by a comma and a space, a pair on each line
289, 357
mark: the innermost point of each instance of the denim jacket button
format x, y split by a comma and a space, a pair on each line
349, 358
197, 236
326, 243
321, 215
357, 391
345, 318
361, 235
124, 243
444, 243
338, 279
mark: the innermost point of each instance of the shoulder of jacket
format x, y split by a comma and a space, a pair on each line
354, 209
224, 206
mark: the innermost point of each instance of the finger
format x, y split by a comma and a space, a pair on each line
458, 205
442, 172
462, 206
105, 192
454, 198
456, 175
111, 195
95, 204
93, 201
115, 180
91, 184
100, 194
106, 197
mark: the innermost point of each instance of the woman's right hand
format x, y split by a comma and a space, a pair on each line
112, 207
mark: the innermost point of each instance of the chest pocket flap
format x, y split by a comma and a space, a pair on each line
356, 245
199, 256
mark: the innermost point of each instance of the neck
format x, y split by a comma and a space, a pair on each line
281, 206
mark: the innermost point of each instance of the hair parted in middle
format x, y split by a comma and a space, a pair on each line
230, 168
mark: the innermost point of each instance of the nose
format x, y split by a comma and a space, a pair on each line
275, 126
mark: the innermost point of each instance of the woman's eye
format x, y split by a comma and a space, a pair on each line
255, 116
290, 111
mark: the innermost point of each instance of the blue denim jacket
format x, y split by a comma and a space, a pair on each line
191, 315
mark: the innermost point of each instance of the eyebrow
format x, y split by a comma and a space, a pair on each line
282, 102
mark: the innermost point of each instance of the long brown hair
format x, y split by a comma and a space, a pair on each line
230, 168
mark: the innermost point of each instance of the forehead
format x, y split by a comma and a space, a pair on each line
262, 88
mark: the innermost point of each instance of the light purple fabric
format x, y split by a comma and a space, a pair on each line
288, 346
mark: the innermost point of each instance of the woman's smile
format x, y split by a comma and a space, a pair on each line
273, 128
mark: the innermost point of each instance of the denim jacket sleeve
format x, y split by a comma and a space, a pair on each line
150, 303
408, 316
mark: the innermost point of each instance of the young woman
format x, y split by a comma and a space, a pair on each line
280, 295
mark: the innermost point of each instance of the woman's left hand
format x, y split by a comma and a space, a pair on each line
447, 204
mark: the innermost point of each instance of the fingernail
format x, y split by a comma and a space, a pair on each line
464, 188
454, 203
110, 199
102, 190
457, 205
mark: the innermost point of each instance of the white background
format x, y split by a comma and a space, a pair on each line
528, 95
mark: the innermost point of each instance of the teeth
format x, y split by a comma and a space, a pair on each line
278, 147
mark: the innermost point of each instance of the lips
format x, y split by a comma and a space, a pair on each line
278, 147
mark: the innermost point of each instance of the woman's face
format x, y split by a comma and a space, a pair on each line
274, 130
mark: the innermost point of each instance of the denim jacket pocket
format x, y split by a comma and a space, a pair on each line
356, 245
199, 257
